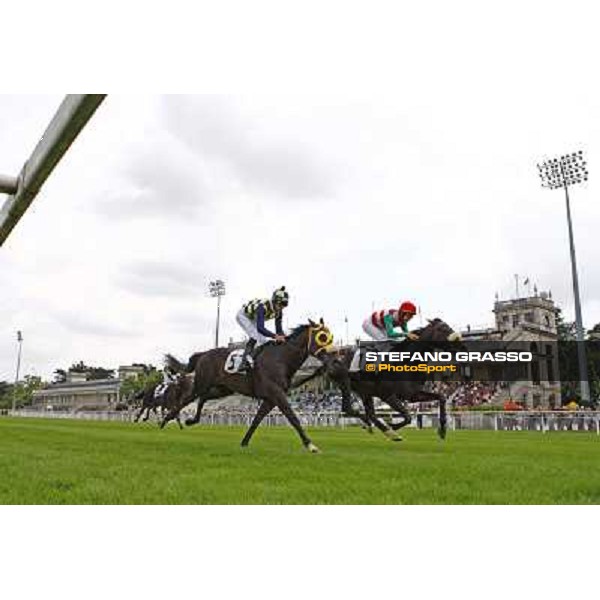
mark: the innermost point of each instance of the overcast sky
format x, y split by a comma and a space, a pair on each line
352, 200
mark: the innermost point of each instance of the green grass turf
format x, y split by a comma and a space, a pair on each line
45, 461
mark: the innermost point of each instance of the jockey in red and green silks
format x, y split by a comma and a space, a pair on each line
383, 324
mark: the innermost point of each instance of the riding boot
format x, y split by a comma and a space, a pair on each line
245, 363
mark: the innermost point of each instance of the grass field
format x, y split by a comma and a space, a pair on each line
45, 461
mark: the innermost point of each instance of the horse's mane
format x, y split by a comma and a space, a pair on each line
298, 330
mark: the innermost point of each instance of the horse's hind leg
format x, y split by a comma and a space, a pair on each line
263, 410
196, 418
402, 409
379, 423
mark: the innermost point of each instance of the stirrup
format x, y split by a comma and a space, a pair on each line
247, 365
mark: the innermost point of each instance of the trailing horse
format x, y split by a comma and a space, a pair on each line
149, 402
396, 393
168, 401
269, 380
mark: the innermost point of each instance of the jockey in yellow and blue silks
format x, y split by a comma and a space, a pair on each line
252, 316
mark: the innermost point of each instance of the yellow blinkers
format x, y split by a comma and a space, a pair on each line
322, 337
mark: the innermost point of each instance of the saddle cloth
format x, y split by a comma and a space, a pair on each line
159, 390
234, 360
355, 363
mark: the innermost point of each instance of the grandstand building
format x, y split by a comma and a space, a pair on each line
77, 393
531, 319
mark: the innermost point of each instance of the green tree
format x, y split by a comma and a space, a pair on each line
566, 330
6, 394
567, 333
141, 381
100, 373
24, 389
92, 373
60, 376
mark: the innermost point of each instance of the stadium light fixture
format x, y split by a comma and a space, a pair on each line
568, 170
217, 289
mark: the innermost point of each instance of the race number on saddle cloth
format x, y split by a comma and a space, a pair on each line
252, 317
168, 378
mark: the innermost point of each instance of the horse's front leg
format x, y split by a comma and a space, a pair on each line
139, 414
442, 429
148, 409
278, 396
443, 415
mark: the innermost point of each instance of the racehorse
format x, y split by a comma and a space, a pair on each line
168, 400
149, 402
395, 393
270, 379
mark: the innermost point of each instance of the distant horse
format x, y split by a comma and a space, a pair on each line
269, 380
167, 400
149, 402
396, 393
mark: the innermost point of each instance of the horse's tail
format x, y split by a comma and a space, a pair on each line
170, 362
138, 395
191, 366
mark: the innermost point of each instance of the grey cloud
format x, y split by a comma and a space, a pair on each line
211, 127
158, 184
190, 322
86, 325
161, 279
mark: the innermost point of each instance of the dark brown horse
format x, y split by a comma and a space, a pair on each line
170, 401
396, 393
269, 380
149, 402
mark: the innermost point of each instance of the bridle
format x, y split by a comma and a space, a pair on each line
322, 337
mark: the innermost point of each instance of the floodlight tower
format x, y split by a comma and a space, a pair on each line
14, 399
217, 289
562, 172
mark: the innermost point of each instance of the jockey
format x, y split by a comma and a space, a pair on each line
169, 377
381, 324
252, 316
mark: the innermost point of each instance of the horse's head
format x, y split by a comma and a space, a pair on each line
320, 338
437, 330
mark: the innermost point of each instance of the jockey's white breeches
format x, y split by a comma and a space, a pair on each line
249, 326
373, 332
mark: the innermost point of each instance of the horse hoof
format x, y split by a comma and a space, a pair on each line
312, 448
442, 434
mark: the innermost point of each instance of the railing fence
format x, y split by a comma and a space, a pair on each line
543, 422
